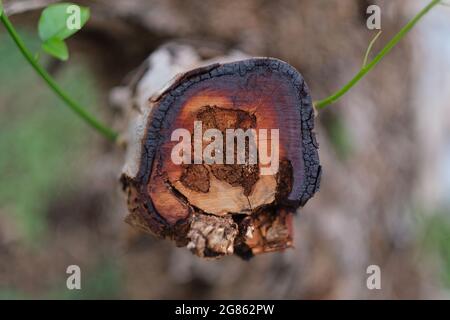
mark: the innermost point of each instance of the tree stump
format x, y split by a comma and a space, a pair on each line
223, 157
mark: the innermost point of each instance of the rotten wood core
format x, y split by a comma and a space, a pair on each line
221, 209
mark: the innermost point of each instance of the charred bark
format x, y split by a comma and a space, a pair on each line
219, 209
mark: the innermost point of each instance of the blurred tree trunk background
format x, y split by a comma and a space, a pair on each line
369, 211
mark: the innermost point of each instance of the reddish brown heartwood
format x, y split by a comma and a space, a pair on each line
221, 209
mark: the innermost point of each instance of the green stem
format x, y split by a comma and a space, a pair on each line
319, 105
72, 104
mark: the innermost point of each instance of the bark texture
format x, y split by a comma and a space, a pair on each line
221, 209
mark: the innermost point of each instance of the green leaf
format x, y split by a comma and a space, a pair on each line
56, 48
1, 8
62, 20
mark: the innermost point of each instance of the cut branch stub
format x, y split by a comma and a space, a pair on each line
219, 205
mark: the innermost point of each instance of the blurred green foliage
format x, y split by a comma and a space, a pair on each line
6, 294
41, 142
338, 134
103, 282
43, 146
436, 235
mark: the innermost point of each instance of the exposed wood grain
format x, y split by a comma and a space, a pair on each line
219, 209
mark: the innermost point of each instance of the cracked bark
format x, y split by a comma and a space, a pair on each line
223, 209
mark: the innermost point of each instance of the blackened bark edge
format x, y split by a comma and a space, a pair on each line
143, 212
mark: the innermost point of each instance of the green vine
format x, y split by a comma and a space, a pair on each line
319, 105
71, 103
110, 134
